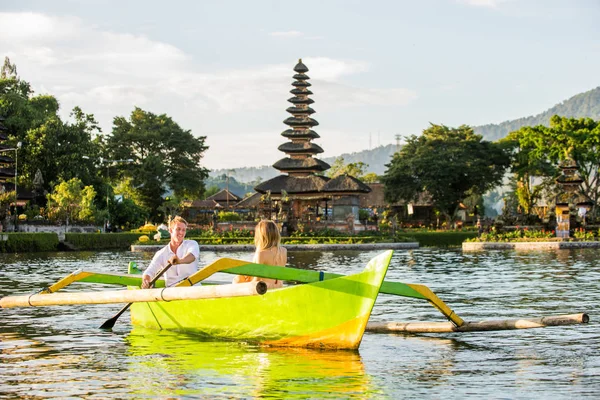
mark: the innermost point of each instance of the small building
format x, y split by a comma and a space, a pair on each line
225, 199
248, 206
301, 194
416, 212
200, 211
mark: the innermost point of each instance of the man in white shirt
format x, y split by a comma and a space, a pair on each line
182, 254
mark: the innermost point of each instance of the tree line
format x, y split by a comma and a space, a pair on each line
456, 167
147, 162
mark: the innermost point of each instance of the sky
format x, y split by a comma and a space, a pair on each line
223, 69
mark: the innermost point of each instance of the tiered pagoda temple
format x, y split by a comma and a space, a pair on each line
302, 193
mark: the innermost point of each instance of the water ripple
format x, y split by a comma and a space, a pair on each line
60, 352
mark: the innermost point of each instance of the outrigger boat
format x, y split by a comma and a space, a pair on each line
326, 313
327, 310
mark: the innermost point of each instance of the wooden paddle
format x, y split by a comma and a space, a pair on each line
109, 323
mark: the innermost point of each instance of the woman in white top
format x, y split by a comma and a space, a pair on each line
268, 252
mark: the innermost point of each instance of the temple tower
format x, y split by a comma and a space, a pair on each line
300, 149
568, 182
301, 194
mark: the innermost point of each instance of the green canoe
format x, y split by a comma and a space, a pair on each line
331, 314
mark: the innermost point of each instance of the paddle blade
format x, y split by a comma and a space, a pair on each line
110, 323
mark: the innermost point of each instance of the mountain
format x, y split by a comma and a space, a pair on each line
375, 159
585, 104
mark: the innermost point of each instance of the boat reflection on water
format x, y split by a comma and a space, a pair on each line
171, 363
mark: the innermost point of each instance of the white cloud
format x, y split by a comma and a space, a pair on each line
109, 73
287, 34
27, 26
331, 70
482, 3
335, 95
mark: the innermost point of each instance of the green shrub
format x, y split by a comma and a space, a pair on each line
18, 242
229, 216
101, 241
319, 232
363, 214
521, 235
582, 234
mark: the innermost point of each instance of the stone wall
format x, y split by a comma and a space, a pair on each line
554, 245
343, 226
60, 230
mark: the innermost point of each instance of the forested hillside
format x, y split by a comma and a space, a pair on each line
376, 159
585, 104
582, 105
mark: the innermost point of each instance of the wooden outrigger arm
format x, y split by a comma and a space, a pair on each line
97, 277
241, 267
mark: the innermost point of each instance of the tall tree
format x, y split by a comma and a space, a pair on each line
49, 145
165, 157
63, 150
532, 174
356, 169
71, 201
449, 164
578, 138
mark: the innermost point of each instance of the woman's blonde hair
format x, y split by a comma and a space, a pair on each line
266, 235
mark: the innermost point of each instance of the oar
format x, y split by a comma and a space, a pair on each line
109, 323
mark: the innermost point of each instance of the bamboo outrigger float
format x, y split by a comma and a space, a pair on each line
326, 311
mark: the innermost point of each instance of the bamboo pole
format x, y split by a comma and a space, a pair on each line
496, 325
134, 296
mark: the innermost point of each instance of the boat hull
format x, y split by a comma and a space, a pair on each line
328, 314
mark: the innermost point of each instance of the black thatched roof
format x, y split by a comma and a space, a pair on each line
300, 68
6, 160
574, 178
301, 76
298, 91
346, 183
298, 110
300, 100
376, 198
293, 184
249, 202
204, 204
308, 164
301, 84
568, 164
293, 121
7, 173
300, 133
224, 195
307, 147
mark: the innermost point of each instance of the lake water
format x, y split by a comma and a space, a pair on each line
60, 352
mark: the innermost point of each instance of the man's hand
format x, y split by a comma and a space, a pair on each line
146, 281
187, 259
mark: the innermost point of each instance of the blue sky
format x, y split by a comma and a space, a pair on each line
223, 69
